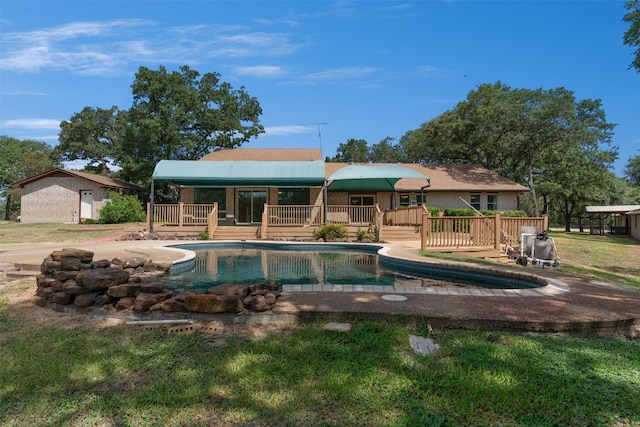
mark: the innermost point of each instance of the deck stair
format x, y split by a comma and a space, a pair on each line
244, 232
392, 233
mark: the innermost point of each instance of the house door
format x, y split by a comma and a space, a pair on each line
86, 204
251, 205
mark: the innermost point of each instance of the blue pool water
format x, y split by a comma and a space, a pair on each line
309, 264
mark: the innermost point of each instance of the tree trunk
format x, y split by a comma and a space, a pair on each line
568, 213
532, 189
7, 207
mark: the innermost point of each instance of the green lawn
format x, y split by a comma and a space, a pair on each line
118, 376
57, 372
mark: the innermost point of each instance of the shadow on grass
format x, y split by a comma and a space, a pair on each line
54, 376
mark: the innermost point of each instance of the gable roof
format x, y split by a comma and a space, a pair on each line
449, 177
457, 177
265, 154
100, 180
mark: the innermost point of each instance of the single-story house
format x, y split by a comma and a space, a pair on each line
620, 219
242, 180
65, 196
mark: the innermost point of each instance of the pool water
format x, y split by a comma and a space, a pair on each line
245, 263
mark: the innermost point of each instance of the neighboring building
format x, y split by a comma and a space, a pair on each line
634, 223
65, 196
243, 180
617, 219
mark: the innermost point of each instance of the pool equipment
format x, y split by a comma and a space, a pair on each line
537, 249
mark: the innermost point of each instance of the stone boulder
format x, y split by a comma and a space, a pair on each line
124, 290
144, 302
209, 303
102, 278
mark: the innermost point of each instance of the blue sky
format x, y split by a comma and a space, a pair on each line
323, 71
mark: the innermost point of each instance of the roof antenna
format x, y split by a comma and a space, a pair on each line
319, 131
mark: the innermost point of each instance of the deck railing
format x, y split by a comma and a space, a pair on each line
293, 215
181, 214
410, 215
352, 215
477, 231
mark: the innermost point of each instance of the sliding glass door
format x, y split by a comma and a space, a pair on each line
251, 205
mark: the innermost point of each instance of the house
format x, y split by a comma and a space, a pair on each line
66, 196
620, 219
242, 181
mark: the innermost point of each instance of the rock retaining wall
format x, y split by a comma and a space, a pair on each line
72, 277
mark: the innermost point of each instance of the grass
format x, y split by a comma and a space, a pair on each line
608, 258
71, 373
15, 232
83, 376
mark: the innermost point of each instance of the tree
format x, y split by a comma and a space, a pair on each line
179, 115
95, 135
632, 170
354, 150
632, 35
511, 131
21, 159
386, 152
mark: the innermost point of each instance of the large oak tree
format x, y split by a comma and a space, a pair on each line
178, 115
522, 134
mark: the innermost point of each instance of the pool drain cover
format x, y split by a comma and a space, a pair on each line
394, 297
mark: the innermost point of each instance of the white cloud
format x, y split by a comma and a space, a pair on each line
431, 71
288, 130
104, 48
32, 124
338, 75
267, 71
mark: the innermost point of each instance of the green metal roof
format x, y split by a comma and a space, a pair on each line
197, 173
370, 177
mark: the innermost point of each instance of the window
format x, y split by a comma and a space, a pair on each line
410, 199
475, 201
362, 200
492, 202
212, 195
294, 196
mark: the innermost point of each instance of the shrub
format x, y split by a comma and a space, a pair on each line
203, 235
363, 234
330, 232
433, 210
514, 214
121, 208
459, 212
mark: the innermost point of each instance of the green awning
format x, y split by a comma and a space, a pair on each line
212, 174
370, 177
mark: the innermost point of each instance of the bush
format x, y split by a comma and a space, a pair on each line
514, 214
433, 210
362, 235
330, 232
459, 212
121, 208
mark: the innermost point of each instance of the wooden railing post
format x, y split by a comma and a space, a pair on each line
498, 232
149, 216
426, 228
212, 220
265, 219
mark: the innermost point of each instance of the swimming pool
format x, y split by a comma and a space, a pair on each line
324, 263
